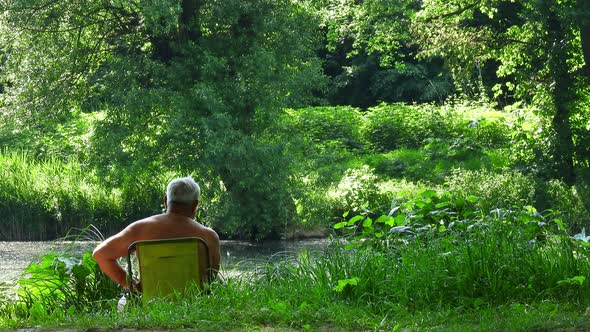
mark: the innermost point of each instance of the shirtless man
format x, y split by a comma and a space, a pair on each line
181, 201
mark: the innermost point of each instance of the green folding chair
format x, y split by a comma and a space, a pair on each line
170, 266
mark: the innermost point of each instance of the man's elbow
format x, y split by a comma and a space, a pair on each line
98, 255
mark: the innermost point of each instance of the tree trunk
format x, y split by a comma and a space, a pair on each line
188, 22
563, 93
188, 30
584, 19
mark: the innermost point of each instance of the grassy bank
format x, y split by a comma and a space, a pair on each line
281, 299
435, 263
214, 315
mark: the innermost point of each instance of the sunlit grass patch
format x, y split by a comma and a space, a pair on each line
46, 198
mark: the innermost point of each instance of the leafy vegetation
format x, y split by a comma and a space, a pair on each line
434, 253
466, 123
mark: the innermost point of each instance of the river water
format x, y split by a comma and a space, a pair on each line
236, 256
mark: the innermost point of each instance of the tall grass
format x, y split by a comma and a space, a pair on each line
44, 199
363, 288
434, 253
487, 269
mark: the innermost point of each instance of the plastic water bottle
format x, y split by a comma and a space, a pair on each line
122, 303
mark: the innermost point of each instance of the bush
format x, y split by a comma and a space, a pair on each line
437, 250
390, 127
64, 282
489, 129
253, 197
325, 124
502, 190
358, 192
566, 202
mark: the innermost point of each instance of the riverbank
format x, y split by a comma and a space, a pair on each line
340, 159
466, 281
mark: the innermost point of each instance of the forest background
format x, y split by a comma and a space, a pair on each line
445, 145
290, 113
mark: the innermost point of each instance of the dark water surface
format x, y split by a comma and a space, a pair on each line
236, 256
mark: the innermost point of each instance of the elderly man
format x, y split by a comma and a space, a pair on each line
181, 202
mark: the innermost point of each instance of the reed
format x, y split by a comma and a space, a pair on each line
44, 199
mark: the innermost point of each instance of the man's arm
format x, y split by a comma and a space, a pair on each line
214, 253
107, 253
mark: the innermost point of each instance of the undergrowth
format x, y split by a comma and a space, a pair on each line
434, 253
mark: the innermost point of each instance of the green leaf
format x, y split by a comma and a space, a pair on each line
340, 225
559, 224
472, 199
383, 219
343, 283
442, 205
399, 220
429, 193
354, 219
577, 280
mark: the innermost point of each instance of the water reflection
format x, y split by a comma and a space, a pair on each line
236, 256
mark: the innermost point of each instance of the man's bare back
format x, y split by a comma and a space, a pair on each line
175, 223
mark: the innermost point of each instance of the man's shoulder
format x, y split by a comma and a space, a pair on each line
143, 223
207, 231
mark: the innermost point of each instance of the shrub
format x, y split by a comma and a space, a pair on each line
64, 282
437, 250
489, 129
358, 192
325, 124
502, 190
390, 127
253, 198
566, 202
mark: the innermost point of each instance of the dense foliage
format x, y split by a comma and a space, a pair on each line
183, 87
341, 160
137, 92
443, 144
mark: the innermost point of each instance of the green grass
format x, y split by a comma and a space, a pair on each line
513, 271
544, 316
219, 315
45, 199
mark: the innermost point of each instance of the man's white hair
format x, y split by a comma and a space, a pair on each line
183, 190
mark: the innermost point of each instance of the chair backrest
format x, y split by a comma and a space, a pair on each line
170, 265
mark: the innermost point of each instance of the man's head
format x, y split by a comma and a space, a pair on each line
183, 191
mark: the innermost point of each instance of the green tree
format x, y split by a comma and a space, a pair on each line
538, 48
370, 54
185, 86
